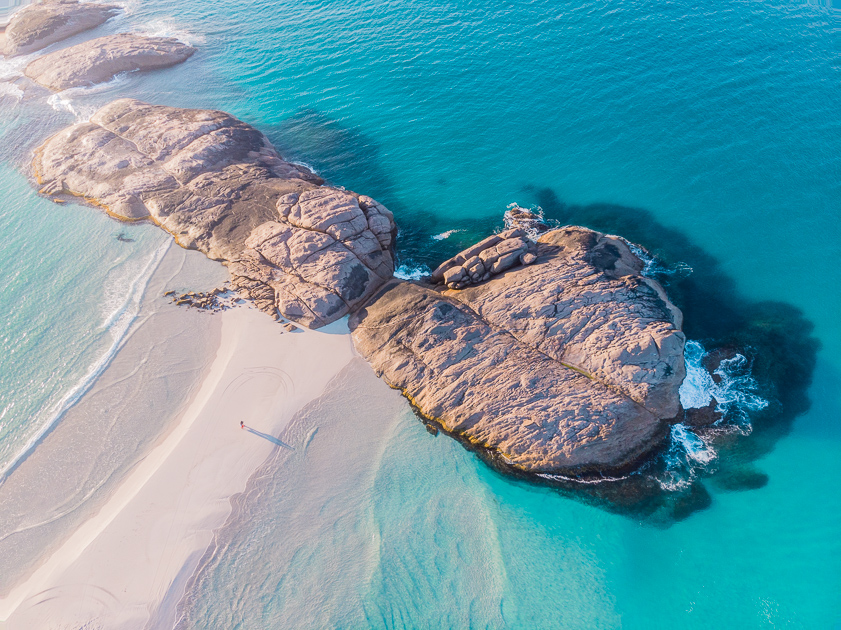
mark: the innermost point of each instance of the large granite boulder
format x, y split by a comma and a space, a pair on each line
570, 365
487, 258
100, 59
39, 25
585, 303
339, 243
310, 251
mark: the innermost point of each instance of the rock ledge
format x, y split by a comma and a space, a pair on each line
101, 59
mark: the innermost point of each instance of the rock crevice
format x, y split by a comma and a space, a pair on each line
294, 245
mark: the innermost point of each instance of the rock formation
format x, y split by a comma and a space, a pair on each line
587, 306
100, 59
294, 245
487, 258
555, 356
39, 25
570, 365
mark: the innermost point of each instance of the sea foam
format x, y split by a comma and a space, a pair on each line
734, 393
443, 235
411, 272
735, 397
118, 324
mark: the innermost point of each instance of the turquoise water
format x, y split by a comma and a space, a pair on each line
709, 133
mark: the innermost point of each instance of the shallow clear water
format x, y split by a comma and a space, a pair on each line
709, 133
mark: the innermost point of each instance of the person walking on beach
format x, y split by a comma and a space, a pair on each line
241, 424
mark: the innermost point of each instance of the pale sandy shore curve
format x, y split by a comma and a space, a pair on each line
131, 559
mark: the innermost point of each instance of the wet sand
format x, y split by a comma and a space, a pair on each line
121, 551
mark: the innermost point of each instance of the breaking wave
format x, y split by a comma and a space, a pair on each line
69, 100
688, 454
168, 28
529, 219
653, 266
11, 90
734, 393
443, 235
411, 272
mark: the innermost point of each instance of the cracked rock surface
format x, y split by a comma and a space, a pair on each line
487, 258
99, 60
570, 365
40, 25
291, 243
552, 356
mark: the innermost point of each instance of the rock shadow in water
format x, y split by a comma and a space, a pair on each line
342, 155
775, 336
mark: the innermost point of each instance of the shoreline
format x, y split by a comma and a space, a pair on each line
145, 540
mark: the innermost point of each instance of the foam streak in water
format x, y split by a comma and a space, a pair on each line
734, 393
411, 272
119, 326
688, 453
735, 397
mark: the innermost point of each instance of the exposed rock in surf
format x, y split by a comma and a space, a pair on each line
563, 360
703, 416
101, 59
39, 25
293, 245
530, 221
570, 365
487, 258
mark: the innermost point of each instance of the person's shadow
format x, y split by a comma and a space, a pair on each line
268, 437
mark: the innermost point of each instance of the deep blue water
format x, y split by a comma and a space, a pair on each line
708, 132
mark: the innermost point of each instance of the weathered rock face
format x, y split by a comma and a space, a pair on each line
101, 59
310, 251
39, 25
487, 258
325, 255
570, 365
584, 303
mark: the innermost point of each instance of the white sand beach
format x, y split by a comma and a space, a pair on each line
128, 561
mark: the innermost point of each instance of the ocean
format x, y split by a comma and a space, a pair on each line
709, 134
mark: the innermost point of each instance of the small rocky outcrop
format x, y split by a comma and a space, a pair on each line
39, 25
100, 59
293, 245
487, 258
570, 365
